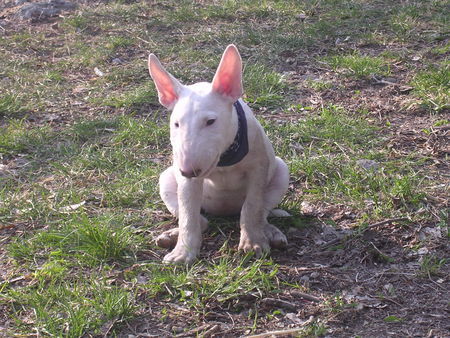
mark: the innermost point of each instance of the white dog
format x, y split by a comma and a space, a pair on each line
223, 162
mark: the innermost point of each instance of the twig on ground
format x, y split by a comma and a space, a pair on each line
282, 332
331, 243
386, 298
306, 296
436, 283
279, 303
211, 330
381, 253
195, 331
387, 221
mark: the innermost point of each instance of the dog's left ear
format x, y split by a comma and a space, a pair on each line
228, 78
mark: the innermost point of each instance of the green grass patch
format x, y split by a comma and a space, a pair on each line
224, 280
324, 151
264, 87
71, 308
431, 265
92, 240
11, 105
130, 98
330, 128
432, 86
359, 66
336, 179
19, 137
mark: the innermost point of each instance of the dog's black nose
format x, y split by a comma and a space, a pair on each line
190, 174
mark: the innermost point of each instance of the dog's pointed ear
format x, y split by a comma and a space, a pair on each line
228, 78
168, 87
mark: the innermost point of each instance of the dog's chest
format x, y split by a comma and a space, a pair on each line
227, 179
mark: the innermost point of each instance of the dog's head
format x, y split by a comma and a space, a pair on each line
202, 123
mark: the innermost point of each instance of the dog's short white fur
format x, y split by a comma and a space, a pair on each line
203, 124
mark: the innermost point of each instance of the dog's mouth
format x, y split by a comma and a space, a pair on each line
210, 169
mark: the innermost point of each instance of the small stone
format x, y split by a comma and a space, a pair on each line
430, 233
301, 17
98, 72
422, 251
368, 164
177, 329
293, 318
388, 287
116, 61
304, 279
314, 274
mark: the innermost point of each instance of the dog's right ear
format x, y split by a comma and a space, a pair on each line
168, 87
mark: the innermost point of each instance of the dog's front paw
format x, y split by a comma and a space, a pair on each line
181, 255
259, 244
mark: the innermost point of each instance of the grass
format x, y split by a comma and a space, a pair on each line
79, 202
93, 240
431, 265
11, 105
432, 86
264, 87
71, 309
19, 137
359, 66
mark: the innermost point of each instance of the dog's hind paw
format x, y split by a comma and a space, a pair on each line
276, 238
168, 239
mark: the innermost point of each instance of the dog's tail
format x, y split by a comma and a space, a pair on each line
279, 213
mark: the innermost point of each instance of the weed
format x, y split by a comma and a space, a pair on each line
431, 265
444, 221
393, 319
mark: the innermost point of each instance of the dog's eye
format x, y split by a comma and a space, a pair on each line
176, 124
210, 122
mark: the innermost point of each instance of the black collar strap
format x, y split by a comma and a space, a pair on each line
239, 148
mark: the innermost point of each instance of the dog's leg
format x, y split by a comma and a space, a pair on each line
189, 193
275, 191
252, 220
168, 190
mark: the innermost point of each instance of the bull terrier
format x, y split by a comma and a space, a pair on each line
223, 162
